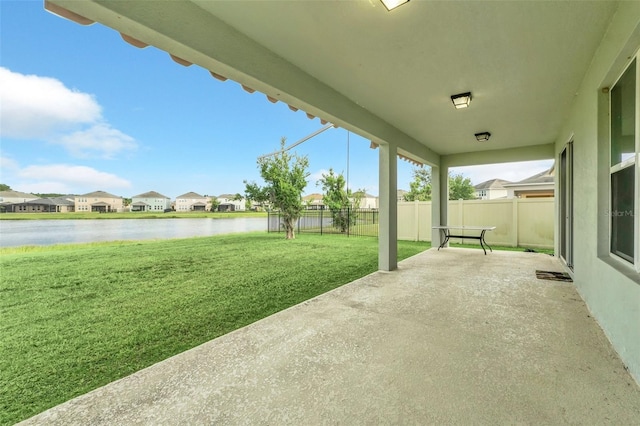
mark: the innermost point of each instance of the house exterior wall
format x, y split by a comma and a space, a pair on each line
313, 201
369, 203
534, 194
186, 204
493, 194
525, 191
611, 291
239, 205
83, 203
29, 208
518, 222
42, 208
153, 204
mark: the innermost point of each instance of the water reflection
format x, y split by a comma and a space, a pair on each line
46, 232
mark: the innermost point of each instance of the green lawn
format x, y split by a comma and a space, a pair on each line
129, 215
75, 317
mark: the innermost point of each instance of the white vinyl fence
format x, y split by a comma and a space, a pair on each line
519, 222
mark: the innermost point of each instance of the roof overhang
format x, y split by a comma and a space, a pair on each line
387, 76
526, 185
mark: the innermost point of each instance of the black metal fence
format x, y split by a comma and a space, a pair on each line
349, 222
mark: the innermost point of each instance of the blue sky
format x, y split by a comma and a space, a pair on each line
82, 110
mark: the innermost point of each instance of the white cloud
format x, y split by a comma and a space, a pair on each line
102, 139
318, 174
7, 163
45, 187
315, 177
35, 107
66, 178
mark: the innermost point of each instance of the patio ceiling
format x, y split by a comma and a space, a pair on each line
388, 76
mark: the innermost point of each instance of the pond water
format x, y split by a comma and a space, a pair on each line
47, 232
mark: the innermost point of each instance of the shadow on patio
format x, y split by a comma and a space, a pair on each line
451, 337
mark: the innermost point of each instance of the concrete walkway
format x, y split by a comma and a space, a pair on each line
452, 337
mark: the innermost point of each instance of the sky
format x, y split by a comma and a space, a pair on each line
81, 110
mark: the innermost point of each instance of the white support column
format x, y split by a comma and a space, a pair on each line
439, 199
514, 222
436, 234
388, 227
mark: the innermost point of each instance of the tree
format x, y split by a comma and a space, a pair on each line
256, 194
420, 187
339, 201
4, 187
285, 176
460, 188
214, 204
356, 198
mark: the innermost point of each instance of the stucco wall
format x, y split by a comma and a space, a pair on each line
613, 295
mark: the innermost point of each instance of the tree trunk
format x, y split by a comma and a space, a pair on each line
290, 234
289, 229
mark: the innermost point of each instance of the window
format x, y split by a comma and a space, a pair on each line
624, 147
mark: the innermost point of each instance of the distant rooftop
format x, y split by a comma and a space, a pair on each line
492, 184
16, 194
364, 194
548, 176
99, 194
150, 194
190, 195
314, 196
53, 201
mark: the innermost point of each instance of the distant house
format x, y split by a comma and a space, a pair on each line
99, 201
400, 194
540, 185
367, 201
192, 202
8, 199
46, 205
313, 201
150, 202
491, 189
229, 203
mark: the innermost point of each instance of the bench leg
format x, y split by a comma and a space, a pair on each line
446, 239
484, 243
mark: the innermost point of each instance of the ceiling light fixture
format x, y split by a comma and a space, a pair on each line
483, 137
461, 100
392, 4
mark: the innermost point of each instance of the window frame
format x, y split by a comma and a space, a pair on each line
633, 161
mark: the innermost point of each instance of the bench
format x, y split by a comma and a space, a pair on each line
446, 232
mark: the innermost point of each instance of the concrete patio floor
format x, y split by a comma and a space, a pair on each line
451, 337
